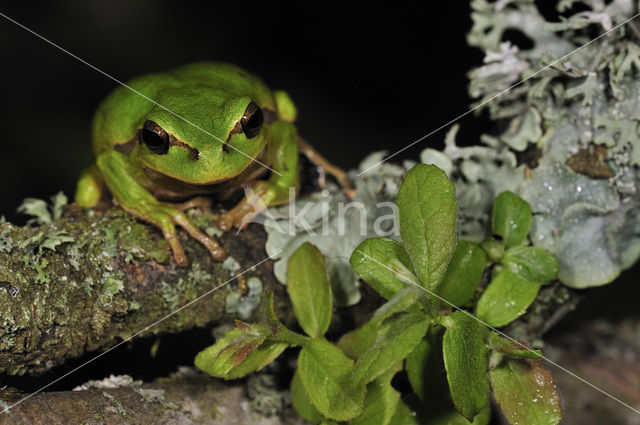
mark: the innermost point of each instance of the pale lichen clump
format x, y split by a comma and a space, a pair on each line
573, 125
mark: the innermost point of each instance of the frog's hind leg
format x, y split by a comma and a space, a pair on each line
314, 156
90, 188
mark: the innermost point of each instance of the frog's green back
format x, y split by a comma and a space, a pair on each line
191, 92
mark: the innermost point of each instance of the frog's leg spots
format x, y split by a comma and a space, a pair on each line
314, 156
196, 202
122, 179
90, 187
284, 148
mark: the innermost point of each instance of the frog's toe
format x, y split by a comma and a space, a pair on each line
224, 222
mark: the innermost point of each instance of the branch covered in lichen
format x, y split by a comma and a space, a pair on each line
79, 281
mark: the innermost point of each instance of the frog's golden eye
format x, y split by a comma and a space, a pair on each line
156, 139
252, 120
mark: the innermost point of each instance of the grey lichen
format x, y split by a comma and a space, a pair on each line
586, 201
244, 304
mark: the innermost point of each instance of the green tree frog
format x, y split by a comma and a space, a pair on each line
198, 129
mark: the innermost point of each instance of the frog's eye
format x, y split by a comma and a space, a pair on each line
156, 139
251, 120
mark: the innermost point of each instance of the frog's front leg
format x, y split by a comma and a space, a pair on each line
283, 148
120, 177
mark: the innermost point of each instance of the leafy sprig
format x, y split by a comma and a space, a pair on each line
430, 283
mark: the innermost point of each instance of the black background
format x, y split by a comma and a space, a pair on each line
363, 80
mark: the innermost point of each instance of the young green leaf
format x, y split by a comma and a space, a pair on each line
357, 342
266, 353
279, 332
238, 353
301, 402
403, 415
326, 376
381, 401
463, 274
505, 299
509, 348
309, 289
428, 211
372, 260
531, 263
526, 392
395, 339
511, 218
416, 365
465, 360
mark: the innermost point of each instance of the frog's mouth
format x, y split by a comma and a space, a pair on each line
167, 187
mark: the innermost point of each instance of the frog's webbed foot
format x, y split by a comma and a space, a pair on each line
242, 214
166, 216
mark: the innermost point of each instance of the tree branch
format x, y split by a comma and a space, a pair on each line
88, 278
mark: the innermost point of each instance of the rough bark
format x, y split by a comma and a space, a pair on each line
185, 399
87, 279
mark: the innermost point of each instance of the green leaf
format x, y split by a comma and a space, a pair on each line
465, 360
381, 400
428, 210
512, 349
279, 332
511, 218
463, 274
531, 263
357, 342
326, 376
526, 393
309, 289
206, 359
372, 260
238, 352
505, 299
403, 415
416, 366
301, 402
266, 353
395, 340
